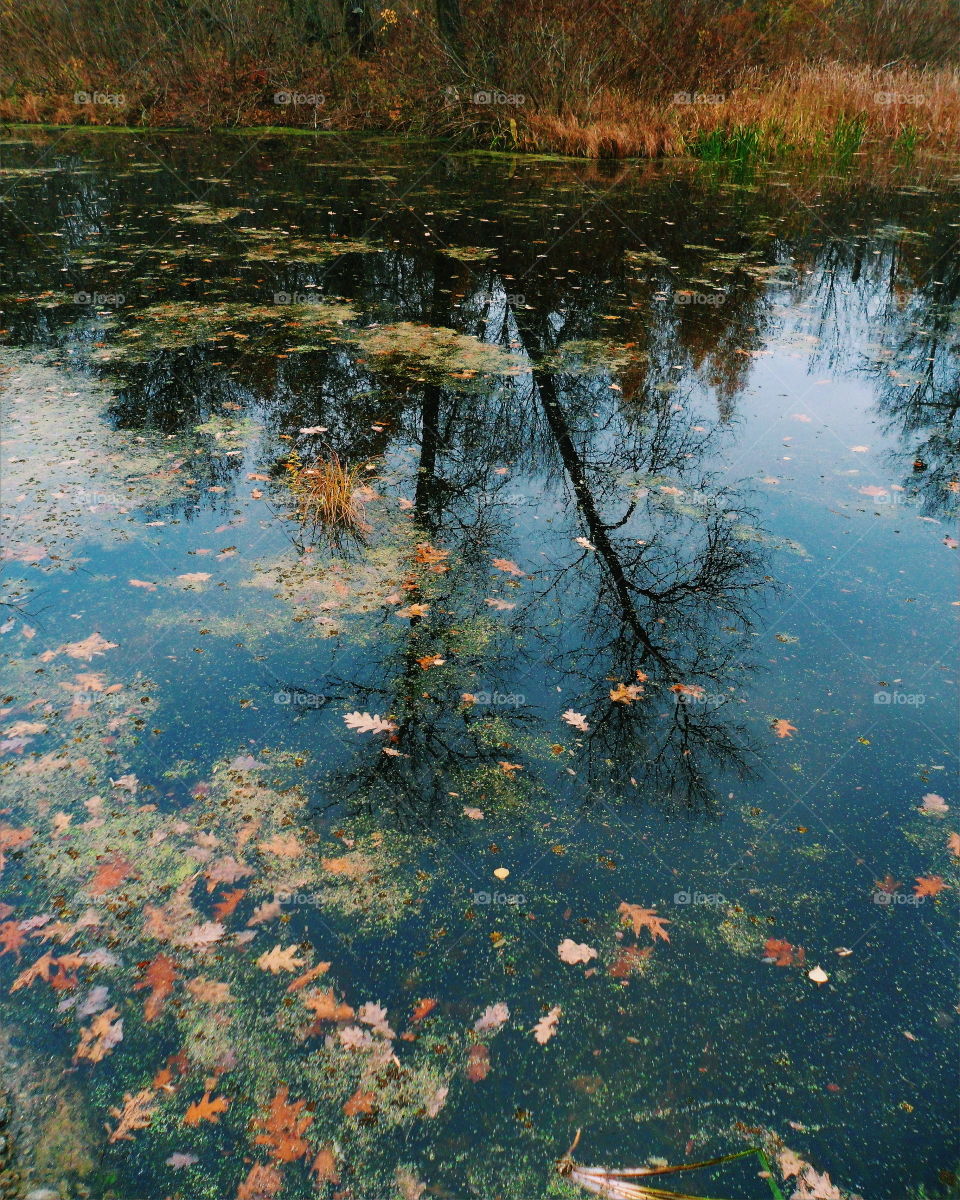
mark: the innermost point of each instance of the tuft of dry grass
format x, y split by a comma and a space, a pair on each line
329, 495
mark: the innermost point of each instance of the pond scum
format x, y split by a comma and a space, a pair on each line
231, 966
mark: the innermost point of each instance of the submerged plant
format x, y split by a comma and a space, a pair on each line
329, 495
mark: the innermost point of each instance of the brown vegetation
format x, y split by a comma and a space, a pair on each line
588, 77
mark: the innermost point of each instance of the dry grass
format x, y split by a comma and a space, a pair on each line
329, 495
804, 108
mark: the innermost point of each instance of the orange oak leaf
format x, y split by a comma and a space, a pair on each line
423, 1009
783, 954
326, 1007
301, 981
223, 908
284, 1127
206, 1109
159, 978
262, 1182
324, 1168
99, 1037
110, 874
360, 1103
643, 918
931, 885
782, 728
137, 1113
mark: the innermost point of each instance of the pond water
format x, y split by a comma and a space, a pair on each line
375, 855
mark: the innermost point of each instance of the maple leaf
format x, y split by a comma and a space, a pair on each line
360, 1103
284, 1128
326, 1007
478, 1063
575, 952
262, 1182
223, 908
206, 1109
364, 722
782, 728
98, 1038
492, 1018
159, 978
546, 1027
280, 958
934, 804
137, 1113
510, 568
643, 918
931, 885
577, 720
110, 874
626, 693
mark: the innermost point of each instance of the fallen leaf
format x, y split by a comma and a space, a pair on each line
492, 1018
782, 728
577, 720
160, 975
643, 918
931, 885
262, 1182
511, 568
478, 1063
546, 1027
934, 804
280, 958
364, 722
137, 1113
575, 952
284, 1127
206, 1109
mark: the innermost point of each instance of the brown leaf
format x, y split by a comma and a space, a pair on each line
643, 918
137, 1113
301, 981
284, 1127
280, 958
326, 1007
324, 1168
159, 978
206, 1109
423, 1009
478, 1063
110, 874
99, 1037
223, 908
360, 1102
261, 1183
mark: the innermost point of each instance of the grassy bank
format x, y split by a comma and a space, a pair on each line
597, 81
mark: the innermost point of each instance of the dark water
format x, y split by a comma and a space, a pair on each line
694, 435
